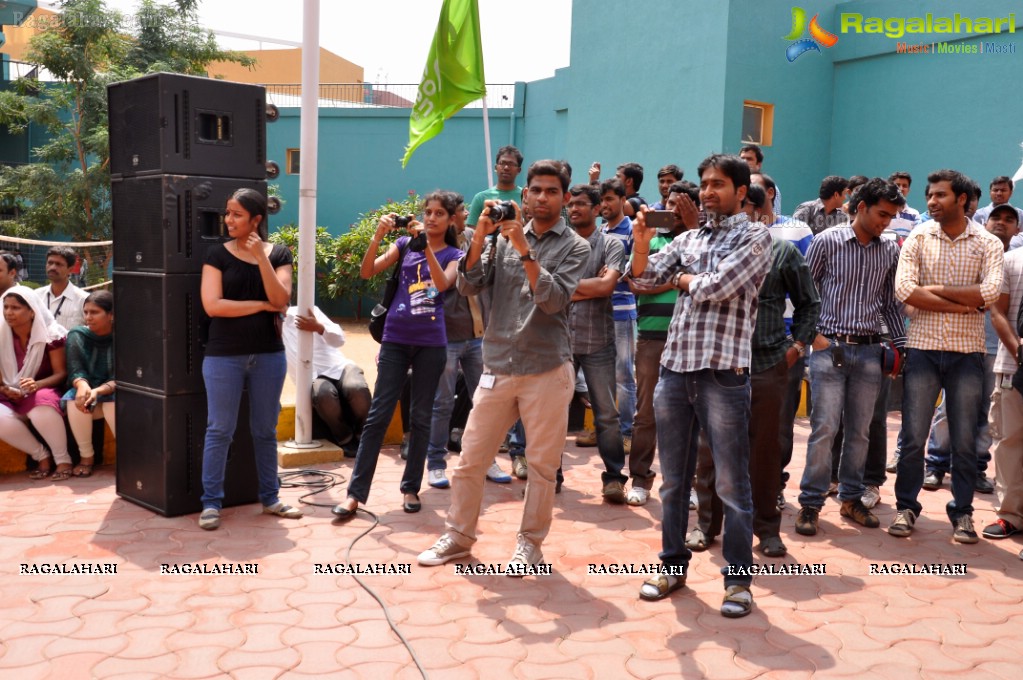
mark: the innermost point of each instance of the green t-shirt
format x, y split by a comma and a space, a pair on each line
654, 311
491, 194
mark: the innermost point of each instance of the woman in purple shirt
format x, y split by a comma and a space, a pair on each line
414, 336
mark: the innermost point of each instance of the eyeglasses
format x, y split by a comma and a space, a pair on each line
578, 204
507, 164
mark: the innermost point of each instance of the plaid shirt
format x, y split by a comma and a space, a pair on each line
713, 323
929, 257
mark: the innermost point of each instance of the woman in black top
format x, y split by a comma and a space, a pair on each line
246, 284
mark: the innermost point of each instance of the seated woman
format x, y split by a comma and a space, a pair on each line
33, 366
90, 366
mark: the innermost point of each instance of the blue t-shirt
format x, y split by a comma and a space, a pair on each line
416, 315
623, 300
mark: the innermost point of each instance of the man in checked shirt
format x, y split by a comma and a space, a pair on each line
704, 380
950, 270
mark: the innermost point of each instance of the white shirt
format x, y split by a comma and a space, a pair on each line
328, 360
68, 307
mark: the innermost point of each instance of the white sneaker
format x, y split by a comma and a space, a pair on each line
438, 480
638, 496
871, 497
527, 554
444, 550
496, 474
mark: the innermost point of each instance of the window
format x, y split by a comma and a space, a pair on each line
293, 161
757, 123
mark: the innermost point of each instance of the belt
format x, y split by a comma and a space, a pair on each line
857, 339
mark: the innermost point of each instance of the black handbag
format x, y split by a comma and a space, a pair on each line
378, 317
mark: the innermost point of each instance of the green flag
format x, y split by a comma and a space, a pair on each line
453, 76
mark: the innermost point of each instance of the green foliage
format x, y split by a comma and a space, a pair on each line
326, 247
339, 260
67, 187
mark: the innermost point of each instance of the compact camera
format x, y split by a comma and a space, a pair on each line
402, 221
505, 210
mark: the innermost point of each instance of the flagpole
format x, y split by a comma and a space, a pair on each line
486, 143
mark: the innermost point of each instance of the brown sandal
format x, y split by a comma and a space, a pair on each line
61, 475
42, 472
83, 469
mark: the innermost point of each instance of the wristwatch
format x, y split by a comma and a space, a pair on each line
676, 278
800, 348
530, 256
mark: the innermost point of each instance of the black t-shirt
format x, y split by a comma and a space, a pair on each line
252, 334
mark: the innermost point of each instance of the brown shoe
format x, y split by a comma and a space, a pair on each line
807, 520
614, 492
588, 438
858, 512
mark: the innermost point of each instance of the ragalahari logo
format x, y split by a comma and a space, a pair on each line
818, 36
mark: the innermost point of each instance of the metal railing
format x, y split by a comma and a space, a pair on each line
377, 95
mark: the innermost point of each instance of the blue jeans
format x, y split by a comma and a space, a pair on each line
599, 370
392, 367
225, 378
962, 377
841, 397
516, 440
625, 373
467, 354
939, 455
719, 403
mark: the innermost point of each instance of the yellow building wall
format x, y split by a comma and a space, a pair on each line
19, 36
284, 67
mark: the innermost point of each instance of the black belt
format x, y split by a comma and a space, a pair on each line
857, 339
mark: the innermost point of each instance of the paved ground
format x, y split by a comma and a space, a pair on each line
289, 622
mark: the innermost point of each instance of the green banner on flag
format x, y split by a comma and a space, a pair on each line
453, 76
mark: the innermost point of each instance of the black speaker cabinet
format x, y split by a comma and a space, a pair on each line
186, 125
160, 334
160, 447
165, 223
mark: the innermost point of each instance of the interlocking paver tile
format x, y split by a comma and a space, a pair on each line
161, 666
280, 660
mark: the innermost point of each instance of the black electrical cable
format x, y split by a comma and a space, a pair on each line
324, 481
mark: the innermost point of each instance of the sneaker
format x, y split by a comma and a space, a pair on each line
638, 496
963, 531
833, 489
519, 467
857, 512
588, 438
527, 554
614, 492
693, 499
871, 496
903, 523
496, 474
1000, 529
444, 550
893, 463
209, 519
983, 484
438, 479
932, 480
807, 521
281, 510
781, 500
627, 444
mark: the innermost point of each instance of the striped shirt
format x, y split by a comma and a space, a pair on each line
655, 311
623, 300
713, 323
929, 257
856, 284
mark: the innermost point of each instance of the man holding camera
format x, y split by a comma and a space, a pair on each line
704, 382
533, 271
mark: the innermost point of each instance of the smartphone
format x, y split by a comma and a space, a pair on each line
660, 219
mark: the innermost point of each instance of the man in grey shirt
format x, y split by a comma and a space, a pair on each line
533, 272
591, 322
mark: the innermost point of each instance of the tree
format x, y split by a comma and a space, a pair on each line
66, 189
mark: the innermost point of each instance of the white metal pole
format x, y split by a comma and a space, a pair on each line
309, 136
486, 143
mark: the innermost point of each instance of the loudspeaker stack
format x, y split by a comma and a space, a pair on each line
179, 147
